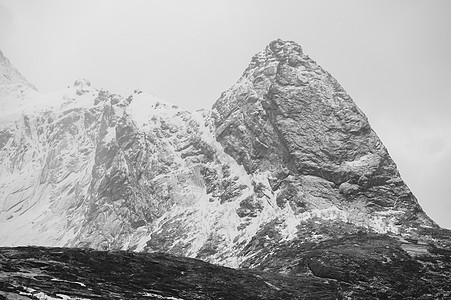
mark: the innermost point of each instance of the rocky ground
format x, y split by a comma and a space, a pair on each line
58, 273
358, 266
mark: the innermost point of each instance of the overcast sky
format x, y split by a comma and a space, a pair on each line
392, 57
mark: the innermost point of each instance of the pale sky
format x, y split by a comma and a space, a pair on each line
393, 57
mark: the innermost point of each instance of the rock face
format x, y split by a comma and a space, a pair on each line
289, 122
284, 175
289, 119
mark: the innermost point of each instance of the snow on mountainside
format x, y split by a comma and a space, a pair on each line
282, 165
10, 75
85, 167
38, 163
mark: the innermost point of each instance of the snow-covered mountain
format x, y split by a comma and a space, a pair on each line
284, 162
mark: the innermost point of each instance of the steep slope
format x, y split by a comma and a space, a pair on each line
41, 158
10, 75
284, 175
83, 167
342, 211
289, 122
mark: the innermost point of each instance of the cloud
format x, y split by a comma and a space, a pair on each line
6, 24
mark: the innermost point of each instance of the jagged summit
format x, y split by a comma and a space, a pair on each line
281, 50
82, 86
290, 119
286, 46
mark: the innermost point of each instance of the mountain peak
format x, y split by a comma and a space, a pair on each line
280, 46
82, 86
279, 51
288, 117
10, 75
82, 82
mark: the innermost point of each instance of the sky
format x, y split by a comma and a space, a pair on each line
392, 56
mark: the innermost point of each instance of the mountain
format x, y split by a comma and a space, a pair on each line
283, 175
10, 75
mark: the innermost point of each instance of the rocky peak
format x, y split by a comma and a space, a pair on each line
283, 51
82, 86
282, 87
287, 113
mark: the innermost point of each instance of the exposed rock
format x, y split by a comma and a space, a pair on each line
301, 120
347, 188
284, 175
82, 86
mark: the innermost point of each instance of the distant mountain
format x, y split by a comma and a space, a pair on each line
10, 75
284, 174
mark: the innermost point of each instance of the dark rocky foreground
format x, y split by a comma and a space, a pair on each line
92, 274
353, 267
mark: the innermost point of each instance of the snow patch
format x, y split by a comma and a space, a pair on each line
383, 224
67, 281
158, 296
42, 296
146, 108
